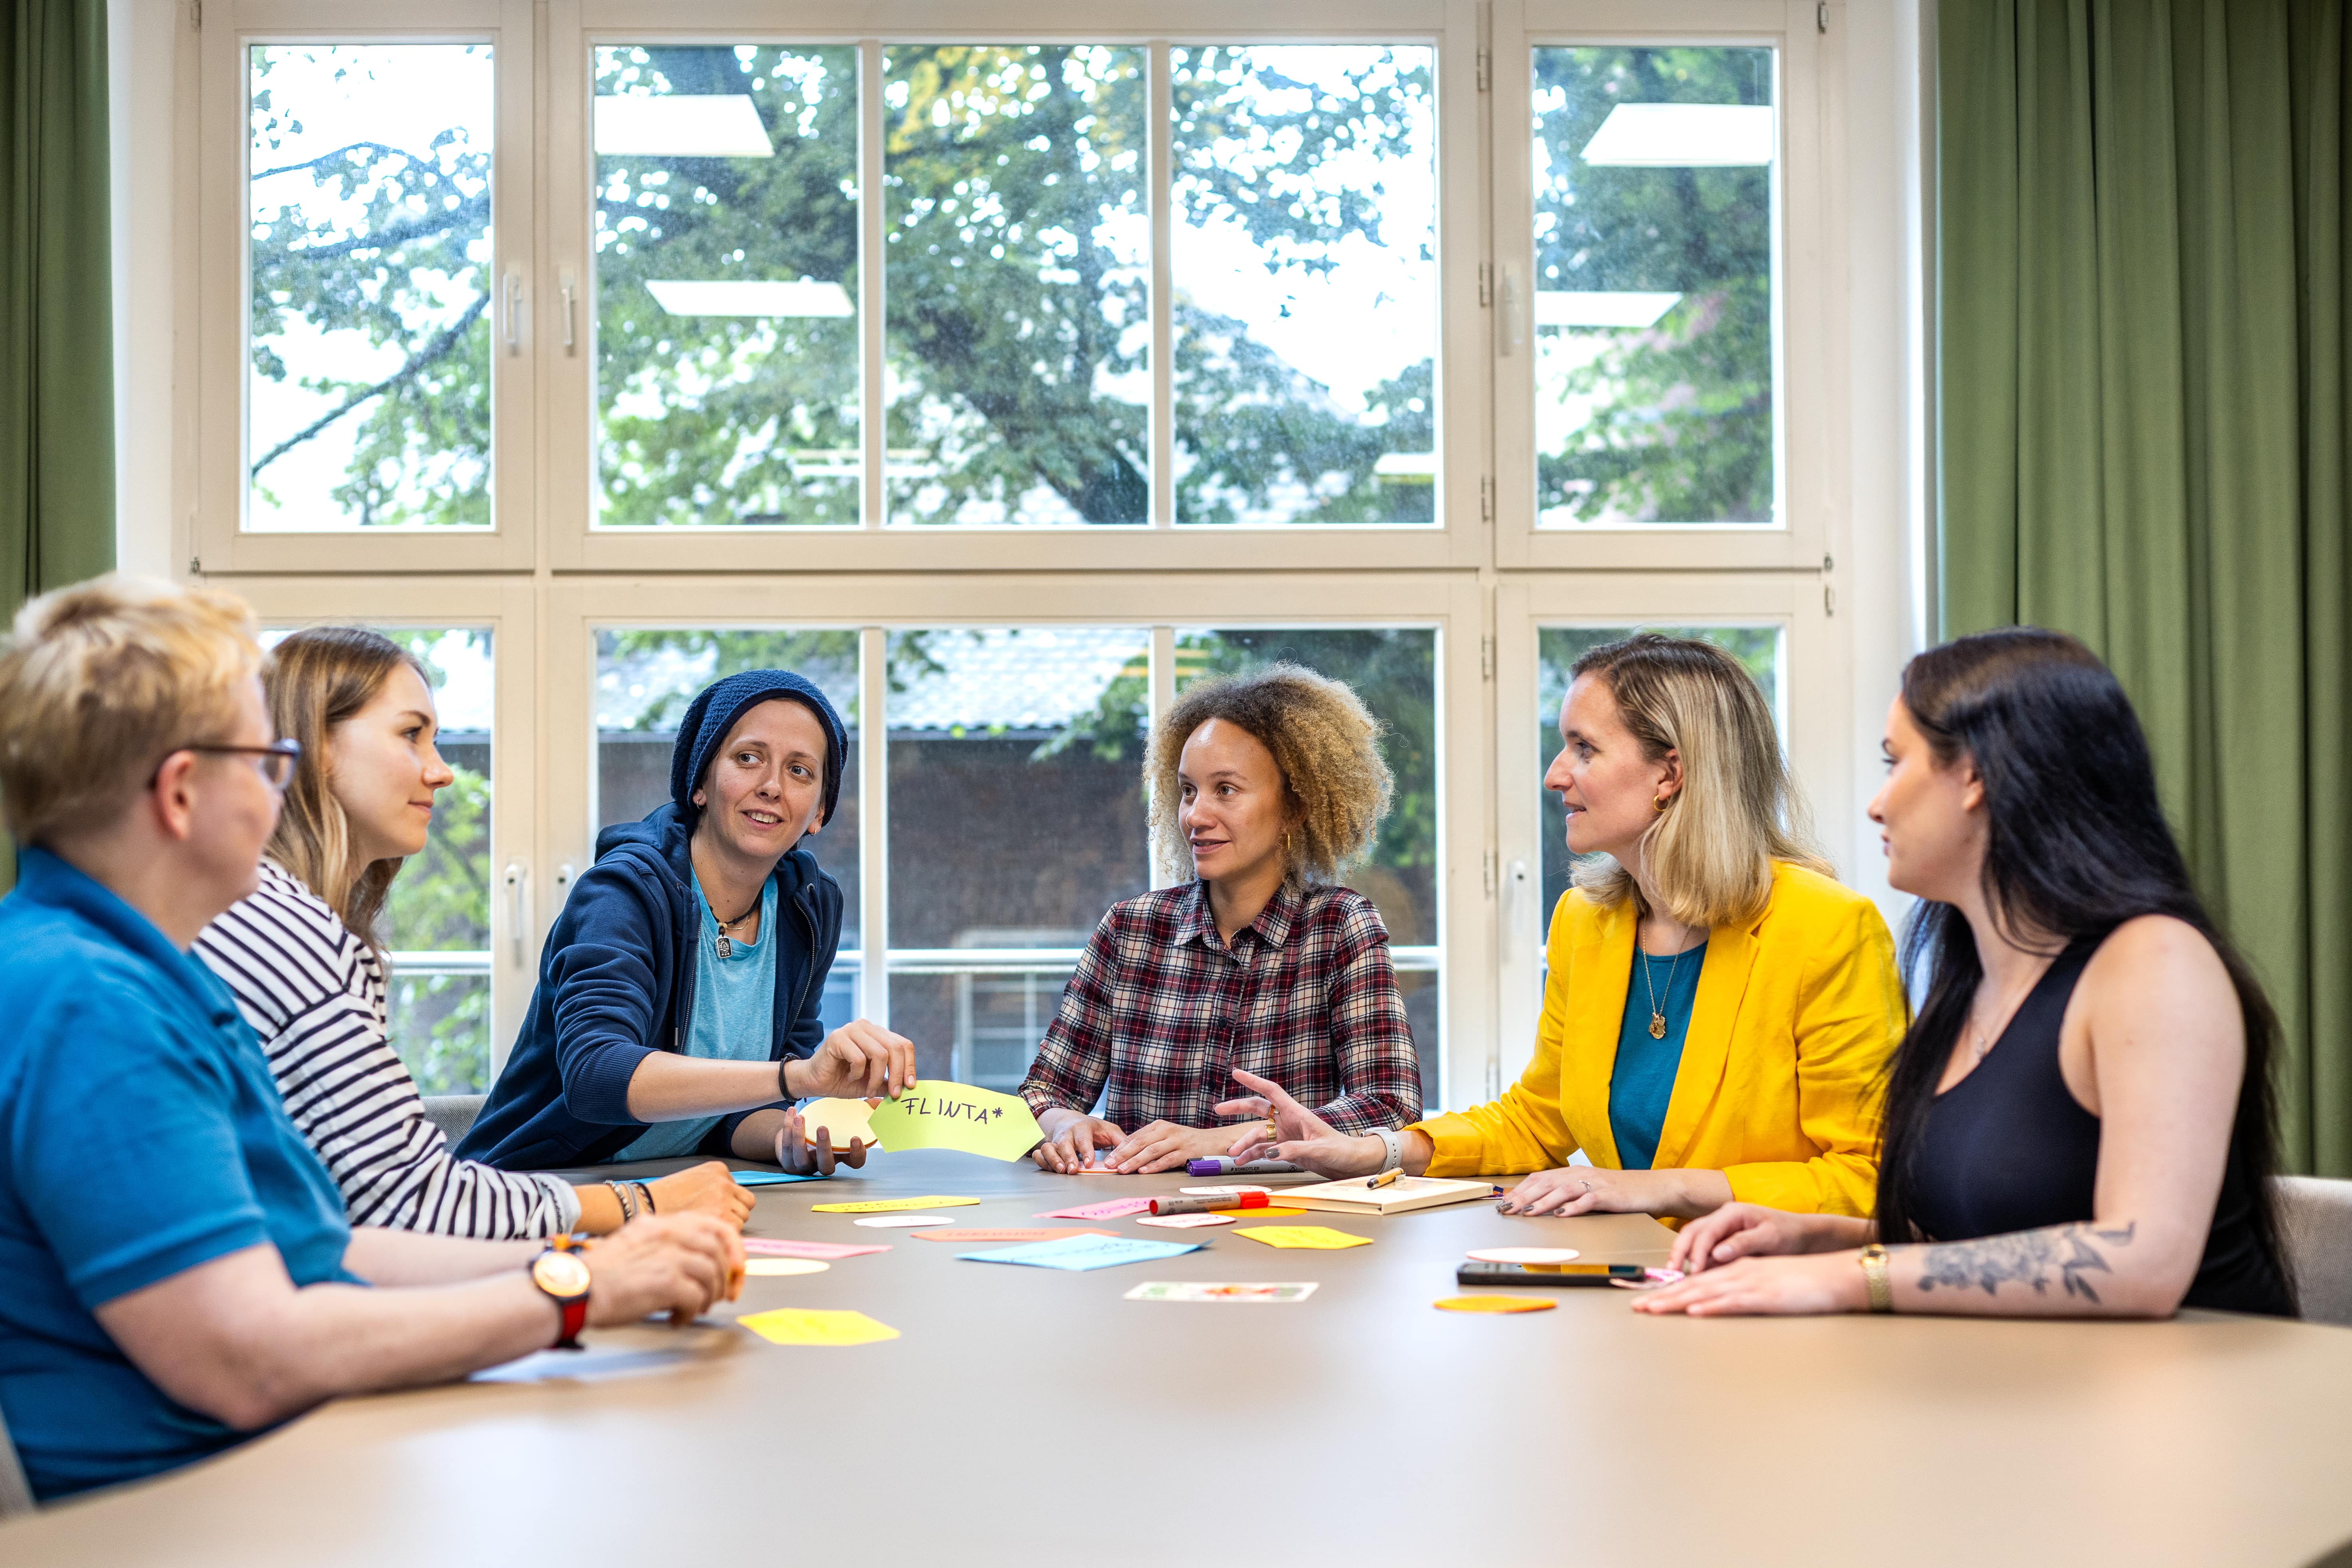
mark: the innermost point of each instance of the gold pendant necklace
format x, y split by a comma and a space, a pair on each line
1650, 978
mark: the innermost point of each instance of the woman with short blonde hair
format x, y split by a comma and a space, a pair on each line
301, 955
1265, 788
1718, 1010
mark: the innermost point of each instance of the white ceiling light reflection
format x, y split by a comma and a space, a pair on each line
749, 296
1683, 136
1573, 308
681, 125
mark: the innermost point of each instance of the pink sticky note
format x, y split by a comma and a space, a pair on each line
759, 1246
1115, 1209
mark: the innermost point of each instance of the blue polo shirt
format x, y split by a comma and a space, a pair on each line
140, 1135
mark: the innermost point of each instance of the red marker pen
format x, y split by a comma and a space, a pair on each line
1209, 1205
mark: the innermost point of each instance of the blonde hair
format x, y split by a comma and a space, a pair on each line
102, 680
1711, 851
319, 678
1326, 745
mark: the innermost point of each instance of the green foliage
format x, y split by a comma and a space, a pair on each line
1684, 427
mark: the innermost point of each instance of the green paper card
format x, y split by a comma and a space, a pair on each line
935, 1114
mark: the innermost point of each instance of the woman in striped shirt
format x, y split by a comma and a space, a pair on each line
300, 956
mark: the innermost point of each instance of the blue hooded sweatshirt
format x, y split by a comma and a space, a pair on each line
616, 976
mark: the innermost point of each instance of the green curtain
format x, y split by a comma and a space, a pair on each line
56, 312
2142, 344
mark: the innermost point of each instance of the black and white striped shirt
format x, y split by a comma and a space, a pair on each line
314, 994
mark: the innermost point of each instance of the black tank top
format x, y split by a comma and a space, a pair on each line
2007, 1148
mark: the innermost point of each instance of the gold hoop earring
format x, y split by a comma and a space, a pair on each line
1659, 805
1285, 844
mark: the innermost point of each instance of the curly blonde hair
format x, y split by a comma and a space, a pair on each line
1324, 741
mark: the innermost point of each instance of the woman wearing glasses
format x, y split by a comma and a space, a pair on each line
149, 1322
301, 955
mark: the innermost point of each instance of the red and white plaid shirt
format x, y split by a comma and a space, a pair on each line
1164, 1010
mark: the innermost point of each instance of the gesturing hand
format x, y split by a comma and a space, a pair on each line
1300, 1137
679, 1264
805, 1156
860, 1058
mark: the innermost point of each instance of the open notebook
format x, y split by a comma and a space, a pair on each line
1405, 1193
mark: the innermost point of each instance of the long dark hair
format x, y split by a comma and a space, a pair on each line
2076, 845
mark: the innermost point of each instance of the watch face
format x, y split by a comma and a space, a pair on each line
562, 1275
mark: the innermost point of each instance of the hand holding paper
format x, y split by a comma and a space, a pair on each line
936, 1114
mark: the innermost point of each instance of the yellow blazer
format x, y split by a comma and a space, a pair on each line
1796, 1014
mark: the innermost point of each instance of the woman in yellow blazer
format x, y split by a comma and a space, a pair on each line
1719, 1012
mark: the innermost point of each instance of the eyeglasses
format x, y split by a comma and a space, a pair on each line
275, 761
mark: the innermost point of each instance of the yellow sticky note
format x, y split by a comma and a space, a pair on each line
887, 1205
1317, 1237
807, 1326
936, 1114
841, 1120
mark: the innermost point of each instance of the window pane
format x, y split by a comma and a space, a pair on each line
436, 923
1557, 650
1394, 671
977, 1026
1016, 793
1018, 266
367, 386
726, 313
1305, 284
645, 678
1653, 308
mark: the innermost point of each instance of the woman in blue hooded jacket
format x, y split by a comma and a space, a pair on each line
676, 1010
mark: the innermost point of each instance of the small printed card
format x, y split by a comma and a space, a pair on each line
1201, 1290
1077, 1253
1317, 1237
827, 1251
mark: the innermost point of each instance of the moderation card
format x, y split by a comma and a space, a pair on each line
806, 1326
830, 1251
1315, 1237
892, 1205
1230, 1294
933, 1114
1076, 1253
770, 1178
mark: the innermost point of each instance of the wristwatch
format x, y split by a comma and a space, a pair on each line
1874, 1280
1392, 1149
563, 1273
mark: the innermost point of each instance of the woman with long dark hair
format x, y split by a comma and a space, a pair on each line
2080, 1121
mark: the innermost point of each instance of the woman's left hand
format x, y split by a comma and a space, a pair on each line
1165, 1146
1772, 1287
1584, 1189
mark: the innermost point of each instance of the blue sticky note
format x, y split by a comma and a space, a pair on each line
1081, 1252
770, 1178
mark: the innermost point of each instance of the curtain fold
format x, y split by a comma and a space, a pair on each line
57, 313
2143, 353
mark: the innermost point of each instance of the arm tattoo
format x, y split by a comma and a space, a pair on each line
2026, 1257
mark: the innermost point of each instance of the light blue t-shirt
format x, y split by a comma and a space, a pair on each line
1642, 1084
733, 1015
140, 1135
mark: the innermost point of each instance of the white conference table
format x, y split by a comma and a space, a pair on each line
1032, 1416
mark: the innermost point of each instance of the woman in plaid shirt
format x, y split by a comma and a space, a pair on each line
1263, 786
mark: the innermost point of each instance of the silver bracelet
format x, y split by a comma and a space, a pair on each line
1392, 1142
628, 1200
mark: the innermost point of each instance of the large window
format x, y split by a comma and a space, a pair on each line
1005, 371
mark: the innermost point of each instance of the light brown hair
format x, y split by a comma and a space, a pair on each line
1324, 741
323, 676
102, 680
1711, 851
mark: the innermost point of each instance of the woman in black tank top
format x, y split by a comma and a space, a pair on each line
2079, 1121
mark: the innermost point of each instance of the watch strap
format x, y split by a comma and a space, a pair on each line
1874, 1282
1392, 1145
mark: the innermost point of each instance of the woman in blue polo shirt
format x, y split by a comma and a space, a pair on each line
677, 1011
150, 1321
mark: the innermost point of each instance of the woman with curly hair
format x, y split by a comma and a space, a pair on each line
1263, 787
1717, 1011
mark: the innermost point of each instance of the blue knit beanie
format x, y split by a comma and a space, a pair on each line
712, 714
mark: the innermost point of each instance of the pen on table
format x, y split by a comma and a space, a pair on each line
1209, 1205
1384, 1178
1226, 1165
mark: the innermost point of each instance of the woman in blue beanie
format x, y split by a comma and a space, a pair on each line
677, 1011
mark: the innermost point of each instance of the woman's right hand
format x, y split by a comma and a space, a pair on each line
677, 1264
1751, 1230
1071, 1139
1303, 1138
707, 1188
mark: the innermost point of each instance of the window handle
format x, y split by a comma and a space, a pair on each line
568, 288
1514, 333
1515, 901
514, 311
518, 880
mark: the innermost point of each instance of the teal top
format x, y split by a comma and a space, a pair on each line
1643, 1080
734, 998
